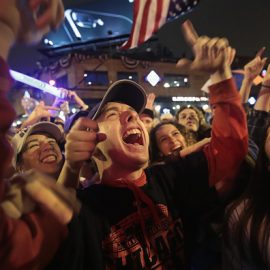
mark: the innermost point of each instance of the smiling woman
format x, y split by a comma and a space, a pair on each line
165, 139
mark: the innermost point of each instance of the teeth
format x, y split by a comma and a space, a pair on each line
49, 159
132, 131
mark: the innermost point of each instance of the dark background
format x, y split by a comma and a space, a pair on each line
244, 22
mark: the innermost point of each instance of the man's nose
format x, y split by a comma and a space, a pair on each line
128, 116
45, 146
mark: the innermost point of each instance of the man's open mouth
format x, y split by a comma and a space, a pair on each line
133, 136
191, 122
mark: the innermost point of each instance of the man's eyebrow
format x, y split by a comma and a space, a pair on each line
36, 140
33, 140
107, 109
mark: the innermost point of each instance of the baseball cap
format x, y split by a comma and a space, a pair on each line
19, 139
70, 121
148, 112
123, 91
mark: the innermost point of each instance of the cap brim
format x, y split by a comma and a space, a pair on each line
122, 91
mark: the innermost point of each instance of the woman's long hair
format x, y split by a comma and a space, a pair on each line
153, 147
255, 216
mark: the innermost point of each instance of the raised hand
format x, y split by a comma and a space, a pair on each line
266, 79
74, 96
263, 100
251, 71
52, 15
27, 21
150, 101
81, 142
70, 96
24, 16
231, 52
34, 190
41, 111
253, 68
211, 54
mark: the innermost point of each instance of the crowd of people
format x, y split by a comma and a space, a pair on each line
112, 187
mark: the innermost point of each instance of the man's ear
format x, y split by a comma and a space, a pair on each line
99, 155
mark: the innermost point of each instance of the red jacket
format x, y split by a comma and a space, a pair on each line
229, 143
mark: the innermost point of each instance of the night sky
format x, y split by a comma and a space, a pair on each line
244, 22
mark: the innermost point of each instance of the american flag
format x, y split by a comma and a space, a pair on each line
150, 15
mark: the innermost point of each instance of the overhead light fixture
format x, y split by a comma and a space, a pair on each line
52, 82
251, 100
205, 107
48, 42
165, 110
69, 16
153, 78
99, 22
157, 108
